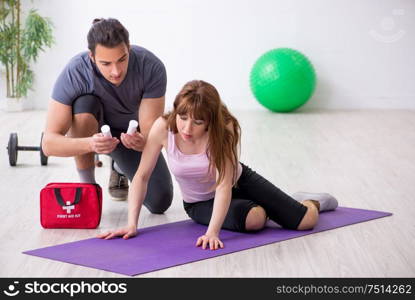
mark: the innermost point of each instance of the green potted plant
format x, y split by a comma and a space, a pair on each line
20, 44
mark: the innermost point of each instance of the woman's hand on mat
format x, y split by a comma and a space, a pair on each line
135, 141
209, 240
103, 144
125, 233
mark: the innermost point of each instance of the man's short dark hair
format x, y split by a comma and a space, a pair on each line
108, 33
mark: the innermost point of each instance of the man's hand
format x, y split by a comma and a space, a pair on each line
103, 144
134, 141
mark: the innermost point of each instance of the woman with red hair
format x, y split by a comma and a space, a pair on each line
202, 138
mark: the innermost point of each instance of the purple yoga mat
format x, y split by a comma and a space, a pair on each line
173, 244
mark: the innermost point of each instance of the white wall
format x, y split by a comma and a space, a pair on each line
363, 51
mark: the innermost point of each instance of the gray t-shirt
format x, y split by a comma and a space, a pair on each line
146, 78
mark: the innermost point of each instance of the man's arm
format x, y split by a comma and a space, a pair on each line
150, 109
55, 143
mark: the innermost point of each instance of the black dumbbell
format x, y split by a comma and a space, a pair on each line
13, 148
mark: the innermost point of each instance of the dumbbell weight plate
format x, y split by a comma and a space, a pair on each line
12, 149
43, 157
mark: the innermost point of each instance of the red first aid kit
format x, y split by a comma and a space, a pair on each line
70, 205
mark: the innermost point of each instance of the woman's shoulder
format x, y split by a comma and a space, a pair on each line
161, 122
160, 125
159, 130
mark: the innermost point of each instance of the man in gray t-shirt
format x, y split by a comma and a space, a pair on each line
112, 83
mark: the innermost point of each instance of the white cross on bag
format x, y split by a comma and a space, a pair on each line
68, 207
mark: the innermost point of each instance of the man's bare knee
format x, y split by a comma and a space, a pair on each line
83, 125
256, 218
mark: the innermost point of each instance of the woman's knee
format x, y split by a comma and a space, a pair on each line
256, 218
310, 218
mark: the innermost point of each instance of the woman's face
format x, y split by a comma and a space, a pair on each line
190, 129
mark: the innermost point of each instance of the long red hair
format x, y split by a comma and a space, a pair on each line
201, 101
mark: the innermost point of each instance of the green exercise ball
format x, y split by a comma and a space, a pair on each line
282, 79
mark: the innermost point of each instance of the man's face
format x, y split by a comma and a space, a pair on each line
112, 62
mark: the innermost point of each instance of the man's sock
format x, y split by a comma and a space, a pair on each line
87, 175
116, 168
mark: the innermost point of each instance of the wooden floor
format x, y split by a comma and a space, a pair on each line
365, 158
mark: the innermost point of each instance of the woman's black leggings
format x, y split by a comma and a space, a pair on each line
251, 190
